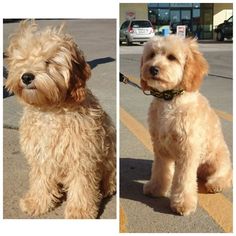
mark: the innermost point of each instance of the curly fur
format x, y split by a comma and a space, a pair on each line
66, 136
186, 133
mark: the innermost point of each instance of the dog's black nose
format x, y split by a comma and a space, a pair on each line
27, 78
154, 70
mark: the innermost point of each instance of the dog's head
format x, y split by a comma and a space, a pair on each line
172, 63
45, 67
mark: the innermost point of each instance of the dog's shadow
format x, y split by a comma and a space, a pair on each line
133, 174
94, 63
5, 91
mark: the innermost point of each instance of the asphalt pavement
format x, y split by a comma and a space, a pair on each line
148, 215
97, 39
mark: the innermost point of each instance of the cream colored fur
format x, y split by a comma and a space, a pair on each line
186, 132
66, 136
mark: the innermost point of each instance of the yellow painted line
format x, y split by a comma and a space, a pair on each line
216, 205
219, 208
136, 128
123, 221
224, 115
221, 114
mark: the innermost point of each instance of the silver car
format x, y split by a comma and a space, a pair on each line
136, 31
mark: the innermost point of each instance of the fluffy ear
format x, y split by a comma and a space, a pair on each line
196, 67
143, 83
80, 72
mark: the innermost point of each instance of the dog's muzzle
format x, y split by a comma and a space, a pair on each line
27, 78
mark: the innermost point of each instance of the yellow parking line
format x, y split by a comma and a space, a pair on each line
136, 128
216, 205
219, 208
224, 115
221, 114
123, 221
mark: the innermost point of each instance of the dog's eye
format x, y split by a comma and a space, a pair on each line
47, 62
171, 57
152, 55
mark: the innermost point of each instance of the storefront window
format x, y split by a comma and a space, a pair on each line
163, 16
185, 15
152, 16
198, 17
196, 13
175, 16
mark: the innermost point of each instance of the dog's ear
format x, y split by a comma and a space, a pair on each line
196, 67
80, 72
143, 83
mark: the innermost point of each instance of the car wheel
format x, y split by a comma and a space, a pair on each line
220, 36
128, 42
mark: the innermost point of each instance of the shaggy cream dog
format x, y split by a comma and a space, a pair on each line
185, 131
67, 138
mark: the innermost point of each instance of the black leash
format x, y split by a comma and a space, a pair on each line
167, 95
126, 80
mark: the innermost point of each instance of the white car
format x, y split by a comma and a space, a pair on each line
136, 31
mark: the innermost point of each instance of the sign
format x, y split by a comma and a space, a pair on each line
181, 31
130, 15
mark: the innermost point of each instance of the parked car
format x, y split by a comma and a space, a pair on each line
225, 30
136, 31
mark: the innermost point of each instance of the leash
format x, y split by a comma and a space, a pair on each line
167, 95
126, 80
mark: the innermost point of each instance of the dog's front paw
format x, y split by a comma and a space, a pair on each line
32, 206
75, 212
154, 190
185, 205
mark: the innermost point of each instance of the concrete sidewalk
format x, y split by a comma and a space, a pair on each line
97, 39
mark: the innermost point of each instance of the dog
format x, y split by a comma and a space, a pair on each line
185, 131
67, 138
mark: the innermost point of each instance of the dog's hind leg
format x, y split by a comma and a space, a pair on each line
220, 170
109, 181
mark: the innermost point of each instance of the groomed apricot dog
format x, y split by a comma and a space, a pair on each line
185, 131
66, 136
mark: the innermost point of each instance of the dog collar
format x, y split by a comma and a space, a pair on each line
167, 95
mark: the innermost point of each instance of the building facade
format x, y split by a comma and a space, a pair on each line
200, 18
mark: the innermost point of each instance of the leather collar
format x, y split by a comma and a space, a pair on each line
167, 95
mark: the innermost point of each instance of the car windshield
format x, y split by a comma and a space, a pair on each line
141, 24
230, 19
